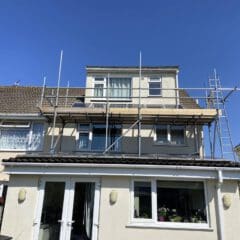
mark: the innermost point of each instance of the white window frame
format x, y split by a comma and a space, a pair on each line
104, 83
90, 138
153, 79
154, 223
20, 126
169, 141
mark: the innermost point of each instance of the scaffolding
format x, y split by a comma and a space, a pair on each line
222, 127
57, 103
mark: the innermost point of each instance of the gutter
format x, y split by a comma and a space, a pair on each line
24, 116
102, 165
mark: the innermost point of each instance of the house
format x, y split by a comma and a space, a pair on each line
122, 158
237, 150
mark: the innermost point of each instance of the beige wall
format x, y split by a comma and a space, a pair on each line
130, 141
114, 219
19, 217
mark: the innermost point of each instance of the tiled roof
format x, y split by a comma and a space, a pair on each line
125, 160
19, 99
186, 101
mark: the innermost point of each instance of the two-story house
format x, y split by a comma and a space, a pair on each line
122, 158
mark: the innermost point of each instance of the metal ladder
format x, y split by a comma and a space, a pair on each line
222, 124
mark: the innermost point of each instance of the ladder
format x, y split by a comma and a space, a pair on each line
222, 123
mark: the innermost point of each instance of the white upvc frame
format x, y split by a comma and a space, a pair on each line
154, 223
68, 201
30, 127
155, 79
169, 141
104, 82
90, 138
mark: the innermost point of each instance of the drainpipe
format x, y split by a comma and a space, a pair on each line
220, 206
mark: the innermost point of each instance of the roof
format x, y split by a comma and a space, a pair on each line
25, 100
20, 99
122, 159
134, 67
131, 69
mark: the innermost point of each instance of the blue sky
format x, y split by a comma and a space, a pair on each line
196, 35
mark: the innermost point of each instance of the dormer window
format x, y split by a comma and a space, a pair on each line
23, 136
155, 86
115, 88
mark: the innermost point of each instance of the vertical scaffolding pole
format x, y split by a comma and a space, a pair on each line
52, 149
139, 107
107, 113
43, 90
66, 98
210, 140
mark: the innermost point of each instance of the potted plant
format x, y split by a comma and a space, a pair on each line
162, 213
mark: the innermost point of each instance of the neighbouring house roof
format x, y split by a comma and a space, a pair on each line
125, 160
20, 99
25, 100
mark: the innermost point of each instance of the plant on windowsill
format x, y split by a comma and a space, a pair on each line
174, 217
162, 213
197, 218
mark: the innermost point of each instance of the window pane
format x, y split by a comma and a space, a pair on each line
83, 140
37, 137
177, 134
161, 132
98, 90
120, 87
181, 202
98, 141
154, 88
52, 211
14, 139
99, 79
84, 127
99, 137
142, 200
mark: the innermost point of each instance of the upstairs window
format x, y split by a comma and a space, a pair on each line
170, 134
155, 86
21, 136
120, 87
93, 137
98, 90
115, 88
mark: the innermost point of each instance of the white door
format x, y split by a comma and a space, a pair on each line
67, 209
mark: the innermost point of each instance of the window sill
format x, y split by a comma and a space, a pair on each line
171, 225
150, 96
170, 145
111, 100
19, 150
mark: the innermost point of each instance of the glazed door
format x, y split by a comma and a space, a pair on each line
67, 210
80, 212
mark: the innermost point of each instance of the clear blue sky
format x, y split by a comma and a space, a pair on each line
196, 35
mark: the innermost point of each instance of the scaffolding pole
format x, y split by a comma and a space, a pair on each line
52, 149
66, 98
43, 90
107, 113
119, 138
139, 107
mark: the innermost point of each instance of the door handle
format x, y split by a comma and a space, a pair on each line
69, 223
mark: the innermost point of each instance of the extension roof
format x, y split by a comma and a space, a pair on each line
120, 159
